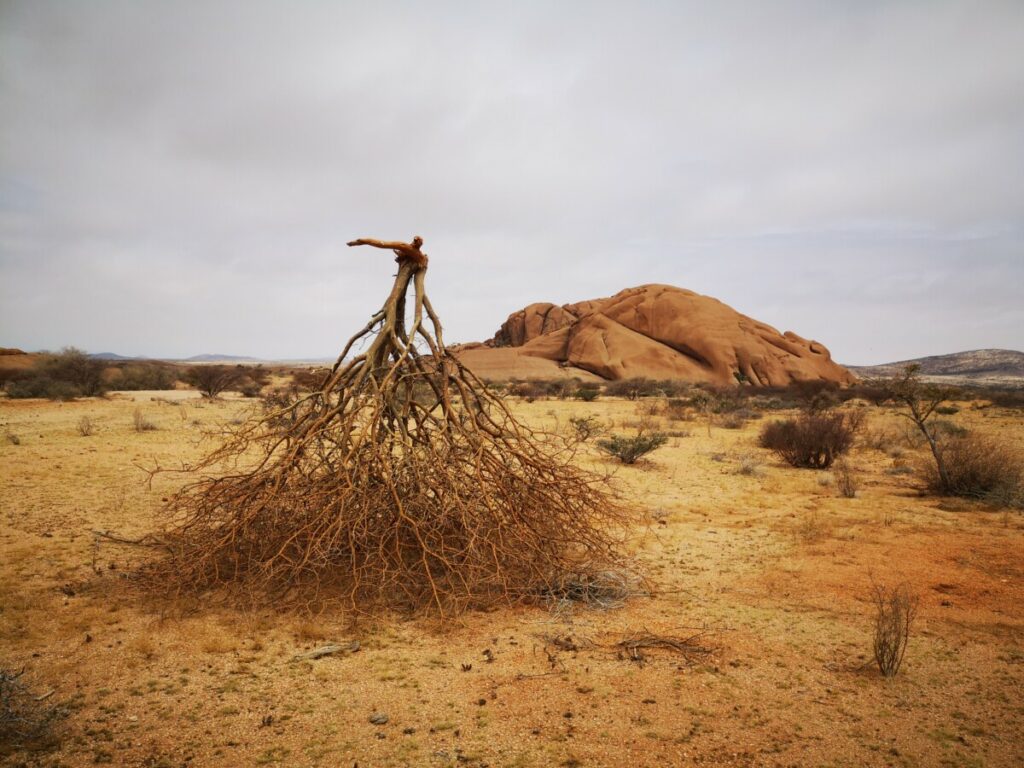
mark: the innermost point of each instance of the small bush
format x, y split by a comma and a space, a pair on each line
141, 423
585, 427
748, 466
978, 467
847, 483
814, 440
895, 610
588, 394
635, 388
528, 390
308, 379
25, 722
143, 376
86, 427
733, 421
629, 449
212, 380
947, 410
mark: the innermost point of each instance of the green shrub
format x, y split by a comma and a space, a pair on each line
588, 394
629, 449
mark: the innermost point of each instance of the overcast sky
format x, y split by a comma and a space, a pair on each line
181, 177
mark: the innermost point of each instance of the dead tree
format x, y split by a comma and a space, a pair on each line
401, 481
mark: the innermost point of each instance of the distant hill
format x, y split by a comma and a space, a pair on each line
112, 356
1003, 367
217, 358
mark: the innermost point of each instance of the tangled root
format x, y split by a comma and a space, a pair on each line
402, 482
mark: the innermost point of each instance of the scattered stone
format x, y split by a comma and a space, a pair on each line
378, 718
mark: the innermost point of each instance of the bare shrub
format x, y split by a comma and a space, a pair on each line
733, 421
25, 721
586, 427
748, 466
978, 467
814, 440
528, 390
86, 427
629, 449
895, 610
213, 380
846, 479
141, 423
604, 589
677, 409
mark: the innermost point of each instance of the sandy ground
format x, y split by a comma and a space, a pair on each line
774, 566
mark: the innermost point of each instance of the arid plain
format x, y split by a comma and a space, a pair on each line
769, 565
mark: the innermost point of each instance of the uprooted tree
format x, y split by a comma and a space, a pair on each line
401, 481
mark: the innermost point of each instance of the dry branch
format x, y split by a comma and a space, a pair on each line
402, 481
632, 647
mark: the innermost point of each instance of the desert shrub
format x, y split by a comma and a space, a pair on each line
528, 390
142, 376
563, 388
650, 407
748, 466
895, 609
86, 427
947, 410
588, 393
726, 400
814, 440
68, 374
635, 388
978, 467
947, 428
141, 423
872, 393
846, 479
1007, 398
677, 409
307, 379
585, 427
40, 385
733, 421
75, 367
212, 380
25, 721
629, 449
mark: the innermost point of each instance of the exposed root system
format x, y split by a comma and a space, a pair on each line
401, 482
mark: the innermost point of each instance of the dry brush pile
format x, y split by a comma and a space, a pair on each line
401, 481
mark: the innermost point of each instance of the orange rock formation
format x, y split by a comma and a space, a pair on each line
656, 331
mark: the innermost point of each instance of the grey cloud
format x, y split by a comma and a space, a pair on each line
181, 177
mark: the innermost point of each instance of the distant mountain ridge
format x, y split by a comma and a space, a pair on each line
980, 366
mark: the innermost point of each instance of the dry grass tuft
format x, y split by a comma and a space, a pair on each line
895, 610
